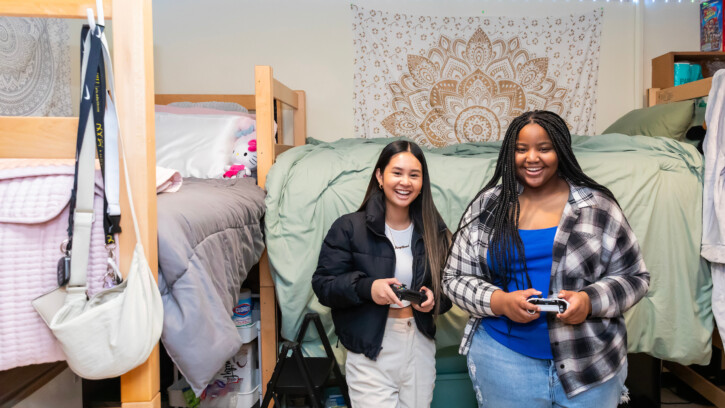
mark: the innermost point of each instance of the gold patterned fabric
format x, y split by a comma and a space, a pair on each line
448, 80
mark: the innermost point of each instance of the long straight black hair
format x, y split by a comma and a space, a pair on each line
436, 241
504, 241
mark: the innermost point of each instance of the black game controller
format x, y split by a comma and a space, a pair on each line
412, 296
549, 305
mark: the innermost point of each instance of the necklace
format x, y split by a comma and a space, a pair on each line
392, 238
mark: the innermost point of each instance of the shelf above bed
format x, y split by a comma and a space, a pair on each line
690, 90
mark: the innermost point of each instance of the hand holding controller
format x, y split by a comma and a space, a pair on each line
549, 305
410, 295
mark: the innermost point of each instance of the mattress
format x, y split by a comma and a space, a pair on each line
209, 236
657, 181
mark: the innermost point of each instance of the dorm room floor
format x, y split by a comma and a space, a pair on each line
674, 393
677, 394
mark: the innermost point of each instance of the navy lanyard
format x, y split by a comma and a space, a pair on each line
93, 99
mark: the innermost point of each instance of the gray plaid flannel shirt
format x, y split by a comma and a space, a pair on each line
594, 251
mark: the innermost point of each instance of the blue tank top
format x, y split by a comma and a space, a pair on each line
530, 339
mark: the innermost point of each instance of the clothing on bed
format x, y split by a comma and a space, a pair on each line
167, 180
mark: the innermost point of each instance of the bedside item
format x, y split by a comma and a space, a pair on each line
687, 72
711, 26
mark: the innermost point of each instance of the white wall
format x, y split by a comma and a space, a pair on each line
212, 46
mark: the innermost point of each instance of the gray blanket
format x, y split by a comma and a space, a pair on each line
210, 235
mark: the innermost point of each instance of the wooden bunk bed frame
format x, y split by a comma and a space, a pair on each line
716, 395
54, 138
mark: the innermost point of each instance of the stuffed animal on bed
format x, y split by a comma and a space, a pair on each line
244, 157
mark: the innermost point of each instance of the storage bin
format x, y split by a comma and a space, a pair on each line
176, 393
453, 387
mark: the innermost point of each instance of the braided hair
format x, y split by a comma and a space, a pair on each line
504, 241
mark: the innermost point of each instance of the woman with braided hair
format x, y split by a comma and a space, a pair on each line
541, 227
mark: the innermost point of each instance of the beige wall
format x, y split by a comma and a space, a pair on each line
212, 46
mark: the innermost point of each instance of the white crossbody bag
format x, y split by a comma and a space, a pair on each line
115, 330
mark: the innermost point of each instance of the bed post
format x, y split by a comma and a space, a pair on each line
134, 72
264, 101
300, 119
264, 91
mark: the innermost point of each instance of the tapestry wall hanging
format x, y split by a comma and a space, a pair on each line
34, 67
447, 80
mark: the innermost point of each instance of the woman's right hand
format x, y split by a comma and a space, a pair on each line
382, 294
514, 305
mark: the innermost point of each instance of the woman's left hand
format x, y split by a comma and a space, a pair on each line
579, 307
426, 306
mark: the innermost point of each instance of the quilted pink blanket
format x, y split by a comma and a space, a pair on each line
33, 220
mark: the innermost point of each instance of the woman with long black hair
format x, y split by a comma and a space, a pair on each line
541, 227
396, 237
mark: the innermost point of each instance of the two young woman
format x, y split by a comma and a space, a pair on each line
545, 230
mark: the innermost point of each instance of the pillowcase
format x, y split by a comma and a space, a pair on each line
197, 145
669, 120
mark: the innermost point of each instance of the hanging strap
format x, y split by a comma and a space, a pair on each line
113, 128
84, 183
97, 48
105, 148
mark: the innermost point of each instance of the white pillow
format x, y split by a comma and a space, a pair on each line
195, 145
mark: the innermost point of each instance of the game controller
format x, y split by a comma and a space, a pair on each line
410, 295
549, 305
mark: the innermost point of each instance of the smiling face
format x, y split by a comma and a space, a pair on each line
402, 180
536, 160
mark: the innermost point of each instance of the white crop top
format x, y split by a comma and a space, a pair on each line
401, 240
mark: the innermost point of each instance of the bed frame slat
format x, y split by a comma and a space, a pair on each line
284, 94
684, 92
248, 101
52, 8
23, 137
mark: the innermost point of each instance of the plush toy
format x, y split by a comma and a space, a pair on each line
244, 156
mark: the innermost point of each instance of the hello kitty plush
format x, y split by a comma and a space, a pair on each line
244, 157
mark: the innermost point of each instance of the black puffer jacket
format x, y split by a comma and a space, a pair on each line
354, 254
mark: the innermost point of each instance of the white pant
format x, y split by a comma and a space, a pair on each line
403, 375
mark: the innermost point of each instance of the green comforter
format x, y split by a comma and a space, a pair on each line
657, 181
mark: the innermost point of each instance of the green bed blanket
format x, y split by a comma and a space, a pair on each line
657, 181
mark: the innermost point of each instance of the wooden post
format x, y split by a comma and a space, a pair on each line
264, 88
134, 73
300, 119
268, 312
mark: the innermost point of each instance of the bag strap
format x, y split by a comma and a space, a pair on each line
84, 183
113, 129
97, 47
105, 148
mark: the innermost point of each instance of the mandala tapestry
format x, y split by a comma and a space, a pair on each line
448, 80
34, 67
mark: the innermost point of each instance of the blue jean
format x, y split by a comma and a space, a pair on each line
503, 378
